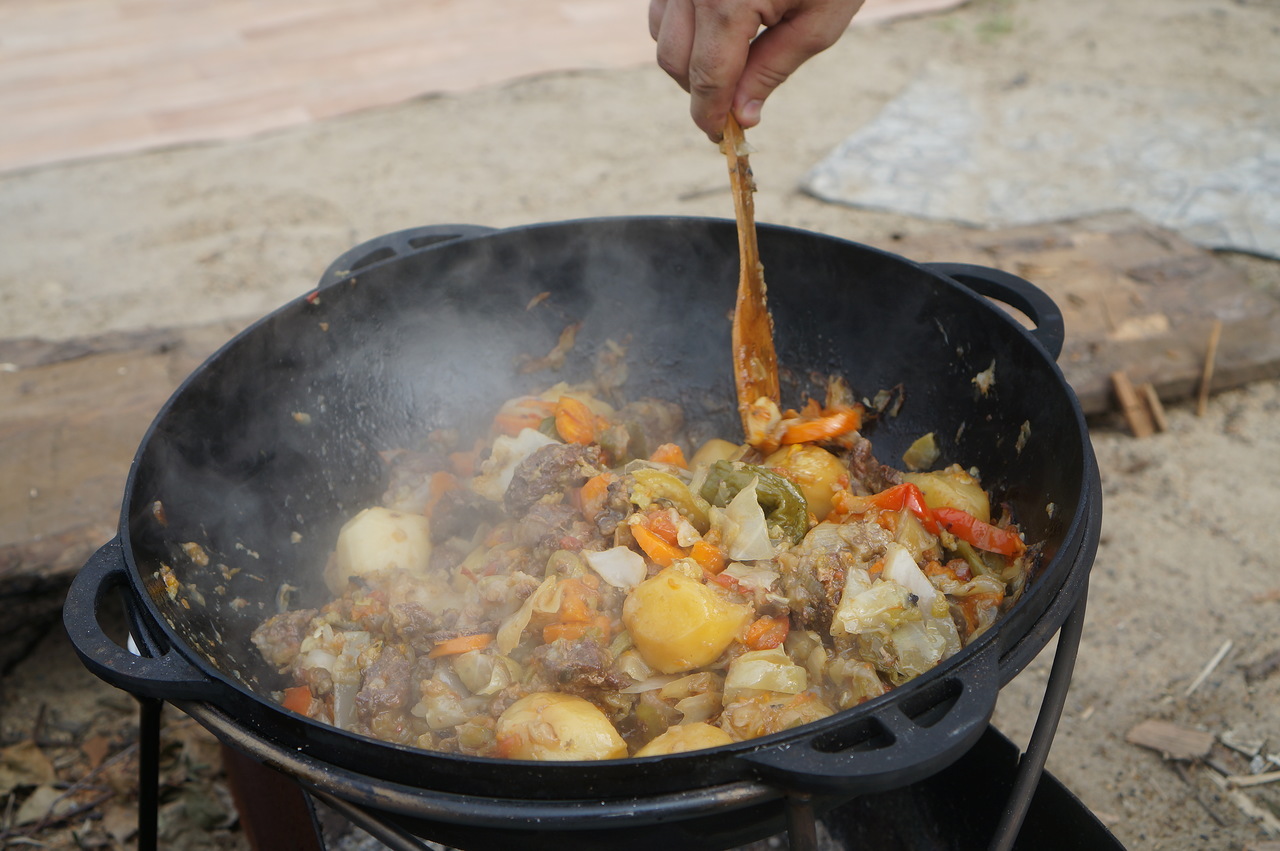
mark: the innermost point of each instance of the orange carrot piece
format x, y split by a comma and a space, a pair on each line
661, 524
297, 699
524, 412
576, 630
461, 644
575, 422
833, 424
710, 557
594, 493
766, 633
574, 606
670, 453
658, 550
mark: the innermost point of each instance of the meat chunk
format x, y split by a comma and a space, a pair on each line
580, 667
655, 422
813, 574
549, 470
866, 474
459, 513
279, 638
385, 686
547, 528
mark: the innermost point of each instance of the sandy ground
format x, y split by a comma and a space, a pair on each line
1188, 559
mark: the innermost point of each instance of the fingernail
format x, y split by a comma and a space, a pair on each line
750, 112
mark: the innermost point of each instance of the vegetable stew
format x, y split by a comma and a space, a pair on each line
581, 584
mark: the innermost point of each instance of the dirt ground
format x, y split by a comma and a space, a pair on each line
1188, 560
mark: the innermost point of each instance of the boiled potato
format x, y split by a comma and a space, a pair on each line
377, 540
679, 624
686, 737
815, 471
712, 451
953, 488
557, 727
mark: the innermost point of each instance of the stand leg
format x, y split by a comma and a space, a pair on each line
148, 772
802, 824
1031, 765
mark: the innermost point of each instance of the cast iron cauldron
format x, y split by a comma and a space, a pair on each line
270, 445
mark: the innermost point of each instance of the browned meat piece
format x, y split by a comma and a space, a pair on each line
415, 624
580, 667
547, 528
280, 637
655, 422
409, 478
386, 684
813, 574
549, 470
866, 474
616, 508
459, 513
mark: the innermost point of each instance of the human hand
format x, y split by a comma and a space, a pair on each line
711, 48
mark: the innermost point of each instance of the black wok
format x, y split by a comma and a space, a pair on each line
272, 443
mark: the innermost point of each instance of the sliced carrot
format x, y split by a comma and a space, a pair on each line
710, 557
832, 424
575, 421
594, 494
576, 630
766, 633
297, 699
658, 550
575, 599
670, 453
661, 524
461, 644
521, 413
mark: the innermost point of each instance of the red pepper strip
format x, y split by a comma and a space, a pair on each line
982, 535
907, 495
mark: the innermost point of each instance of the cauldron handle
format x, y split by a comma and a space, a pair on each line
396, 245
162, 675
1043, 311
905, 741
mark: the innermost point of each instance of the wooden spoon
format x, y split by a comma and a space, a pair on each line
755, 364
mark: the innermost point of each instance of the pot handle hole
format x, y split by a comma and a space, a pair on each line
1044, 313
391, 246
906, 741
162, 674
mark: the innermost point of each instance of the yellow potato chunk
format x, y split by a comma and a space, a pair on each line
953, 488
686, 737
815, 471
378, 540
679, 624
557, 727
715, 449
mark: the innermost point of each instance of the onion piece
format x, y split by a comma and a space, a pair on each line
651, 684
621, 567
768, 670
901, 568
545, 599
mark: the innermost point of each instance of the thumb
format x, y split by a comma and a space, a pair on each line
777, 52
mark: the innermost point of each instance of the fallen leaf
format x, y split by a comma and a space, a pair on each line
42, 802
121, 822
95, 749
24, 764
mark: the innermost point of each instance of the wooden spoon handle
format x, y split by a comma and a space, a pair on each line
755, 364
